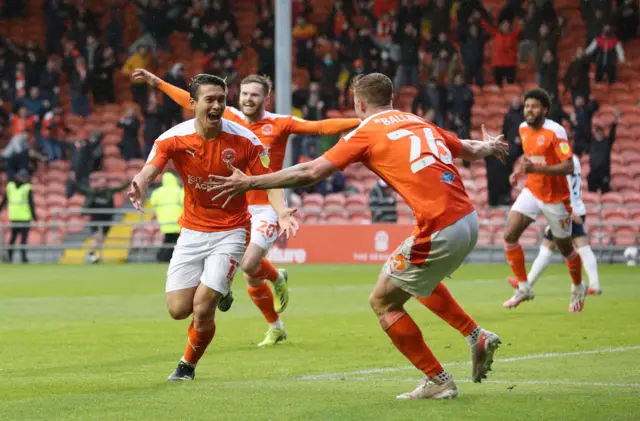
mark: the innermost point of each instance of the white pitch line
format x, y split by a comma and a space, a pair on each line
509, 382
330, 376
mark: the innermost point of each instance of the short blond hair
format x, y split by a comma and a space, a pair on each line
263, 80
375, 89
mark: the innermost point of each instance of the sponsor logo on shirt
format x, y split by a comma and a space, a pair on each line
267, 129
564, 148
448, 177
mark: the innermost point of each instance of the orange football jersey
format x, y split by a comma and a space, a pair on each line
543, 147
415, 158
196, 160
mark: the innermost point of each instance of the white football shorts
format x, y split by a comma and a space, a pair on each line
208, 257
558, 215
264, 226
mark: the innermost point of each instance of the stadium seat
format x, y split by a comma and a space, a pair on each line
626, 236
314, 200
612, 198
336, 219
356, 201
335, 200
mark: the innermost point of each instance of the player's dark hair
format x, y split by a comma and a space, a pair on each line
263, 80
375, 89
539, 94
204, 79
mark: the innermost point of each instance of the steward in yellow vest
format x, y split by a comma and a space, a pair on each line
167, 202
22, 211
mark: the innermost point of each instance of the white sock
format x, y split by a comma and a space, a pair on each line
277, 325
590, 266
472, 338
540, 264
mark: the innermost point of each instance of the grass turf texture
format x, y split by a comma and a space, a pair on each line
96, 343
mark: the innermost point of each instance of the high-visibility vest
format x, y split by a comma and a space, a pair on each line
18, 198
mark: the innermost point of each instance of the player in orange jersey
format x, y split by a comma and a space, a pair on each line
273, 130
213, 238
415, 158
548, 159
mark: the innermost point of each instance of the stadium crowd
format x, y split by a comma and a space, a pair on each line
434, 48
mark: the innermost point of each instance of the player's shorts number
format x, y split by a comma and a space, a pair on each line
267, 230
233, 266
436, 146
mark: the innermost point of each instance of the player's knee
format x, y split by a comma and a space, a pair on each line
250, 264
565, 246
178, 312
378, 304
510, 237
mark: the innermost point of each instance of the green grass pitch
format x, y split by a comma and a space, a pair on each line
96, 343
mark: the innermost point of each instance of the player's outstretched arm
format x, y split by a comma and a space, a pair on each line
300, 175
330, 126
140, 185
473, 150
179, 96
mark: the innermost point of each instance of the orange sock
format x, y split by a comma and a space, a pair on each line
443, 305
574, 263
199, 339
515, 258
406, 336
262, 297
266, 270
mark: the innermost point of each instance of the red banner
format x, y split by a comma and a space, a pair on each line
340, 244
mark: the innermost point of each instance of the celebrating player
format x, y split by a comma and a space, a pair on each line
415, 158
273, 130
547, 161
213, 239
578, 234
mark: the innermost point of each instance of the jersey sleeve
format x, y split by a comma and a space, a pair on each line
330, 126
352, 148
161, 153
451, 141
258, 159
561, 145
179, 96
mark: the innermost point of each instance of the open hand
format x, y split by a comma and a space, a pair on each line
136, 193
147, 76
499, 147
236, 184
288, 224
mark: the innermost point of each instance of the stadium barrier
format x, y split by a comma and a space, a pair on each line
314, 243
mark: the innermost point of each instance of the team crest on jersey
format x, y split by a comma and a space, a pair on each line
564, 148
540, 140
229, 156
265, 159
267, 129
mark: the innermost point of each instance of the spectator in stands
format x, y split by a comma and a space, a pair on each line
167, 202
627, 20
505, 50
130, 145
17, 154
608, 50
22, 212
460, 100
557, 112
104, 74
18, 84
329, 75
266, 55
431, 97
408, 39
33, 103
34, 60
595, 23
582, 119
22, 122
382, 203
51, 133
50, 82
79, 87
314, 109
157, 26
599, 177
304, 34
4, 118
472, 51
172, 110
548, 73
576, 80
94, 57
82, 158
529, 36
142, 59
55, 16
114, 31
153, 122
444, 58
100, 200
512, 120
547, 41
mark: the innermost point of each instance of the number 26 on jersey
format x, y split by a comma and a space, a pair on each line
436, 147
